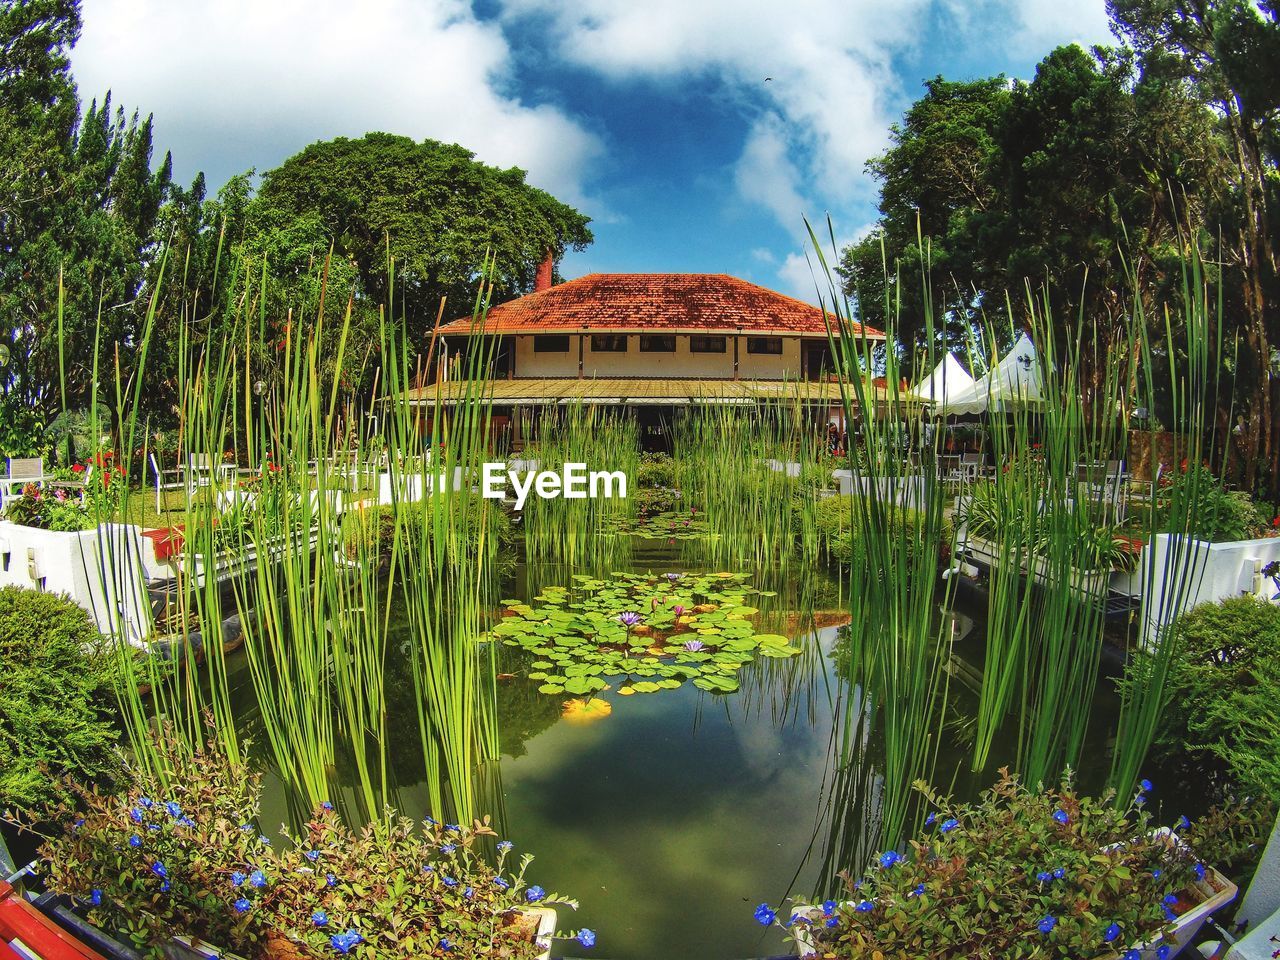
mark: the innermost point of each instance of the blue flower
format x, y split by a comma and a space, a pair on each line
1111, 933
500, 883
432, 820
928, 821
257, 879
264, 840
173, 809
158, 869
469, 892
136, 815
1164, 952
1145, 785
865, 906
145, 802
890, 858
586, 937
1157, 873
452, 827
445, 945
1183, 823
326, 805
1048, 923
1132, 955
312, 855
330, 880
320, 918
828, 907
343, 942
505, 845
534, 894
1044, 876
78, 824
135, 841
243, 905
1199, 871
1062, 817
96, 897
449, 881
447, 848
1059, 873
1170, 899
237, 878
164, 886
186, 822
917, 892
765, 915
834, 921
949, 825
246, 827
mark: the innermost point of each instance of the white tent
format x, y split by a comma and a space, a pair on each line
947, 380
1014, 381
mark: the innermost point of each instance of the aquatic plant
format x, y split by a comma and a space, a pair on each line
695, 627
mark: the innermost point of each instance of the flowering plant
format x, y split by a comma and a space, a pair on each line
1020, 874
184, 854
48, 509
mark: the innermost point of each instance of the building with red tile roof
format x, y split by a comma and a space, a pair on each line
657, 325
651, 342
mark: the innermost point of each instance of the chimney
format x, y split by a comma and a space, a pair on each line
542, 280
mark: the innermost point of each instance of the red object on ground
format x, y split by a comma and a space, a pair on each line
168, 541
22, 923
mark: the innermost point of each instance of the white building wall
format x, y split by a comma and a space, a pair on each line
683, 363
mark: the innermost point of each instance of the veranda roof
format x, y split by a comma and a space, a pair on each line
634, 392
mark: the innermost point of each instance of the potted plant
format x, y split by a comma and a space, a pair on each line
177, 863
1023, 875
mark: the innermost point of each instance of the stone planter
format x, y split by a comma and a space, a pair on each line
102, 570
1089, 582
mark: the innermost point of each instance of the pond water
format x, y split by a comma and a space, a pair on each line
674, 815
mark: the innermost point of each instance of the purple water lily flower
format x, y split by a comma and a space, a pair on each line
693, 646
678, 610
673, 577
629, 619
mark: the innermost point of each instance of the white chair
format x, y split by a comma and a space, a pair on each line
199, 471
172, 479
22, 470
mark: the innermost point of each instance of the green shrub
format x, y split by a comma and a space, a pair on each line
1214, 513
656, 470
374, 529
1221, 693
55, 694
834, 520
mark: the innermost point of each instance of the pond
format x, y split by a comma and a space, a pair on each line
670, 815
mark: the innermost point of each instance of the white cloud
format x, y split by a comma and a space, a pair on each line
240, 83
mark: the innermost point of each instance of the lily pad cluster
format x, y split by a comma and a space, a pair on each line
667, 525
642, 632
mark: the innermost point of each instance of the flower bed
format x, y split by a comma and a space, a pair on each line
1025, 875
186, 858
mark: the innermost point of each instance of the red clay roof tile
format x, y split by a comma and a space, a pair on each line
655, 301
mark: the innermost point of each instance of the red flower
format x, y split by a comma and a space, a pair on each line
77, 468
1276, 522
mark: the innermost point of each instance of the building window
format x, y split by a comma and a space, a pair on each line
706, 344
769, 345
609, 343
551, 343
657, 343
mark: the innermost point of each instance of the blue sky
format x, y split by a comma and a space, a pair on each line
653, 117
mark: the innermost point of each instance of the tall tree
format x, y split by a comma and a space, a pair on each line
1228, 53
438, 208
78, 205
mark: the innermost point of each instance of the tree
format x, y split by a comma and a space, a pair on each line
1060, 185
433, 206
78, 204
1228, 53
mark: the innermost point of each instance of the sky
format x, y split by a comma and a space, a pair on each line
697, 134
